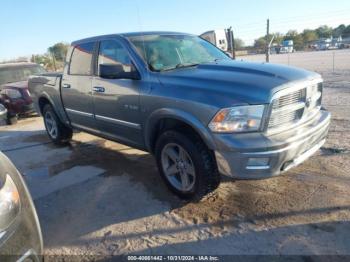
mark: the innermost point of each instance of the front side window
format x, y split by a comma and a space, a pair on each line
112, 52
81, 59
168, 52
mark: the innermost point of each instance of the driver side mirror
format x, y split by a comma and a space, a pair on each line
117, 71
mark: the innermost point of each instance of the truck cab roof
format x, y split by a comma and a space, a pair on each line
126, 35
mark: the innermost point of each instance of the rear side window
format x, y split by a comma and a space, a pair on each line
81, 59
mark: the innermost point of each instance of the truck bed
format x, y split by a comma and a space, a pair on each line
47, 86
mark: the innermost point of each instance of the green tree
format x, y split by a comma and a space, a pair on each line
290, 34
346, 32
260, 43
44, 60
59, 51
339, 31
324, 31
239, 43
278, 38
309, 36
297, 39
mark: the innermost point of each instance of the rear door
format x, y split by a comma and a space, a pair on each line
76, 87
116, 101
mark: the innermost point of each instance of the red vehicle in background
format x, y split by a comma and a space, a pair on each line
14, 93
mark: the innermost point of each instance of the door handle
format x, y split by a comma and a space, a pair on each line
99, 89
66, 85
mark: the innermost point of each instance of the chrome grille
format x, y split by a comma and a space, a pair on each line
295, 97
278, 120
292, 107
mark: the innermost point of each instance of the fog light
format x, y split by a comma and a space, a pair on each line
258, 163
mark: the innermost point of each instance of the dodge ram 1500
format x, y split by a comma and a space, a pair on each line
177, 96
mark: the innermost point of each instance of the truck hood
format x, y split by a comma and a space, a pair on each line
235, 82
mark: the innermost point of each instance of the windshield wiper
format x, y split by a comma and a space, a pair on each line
186, 65
180, 65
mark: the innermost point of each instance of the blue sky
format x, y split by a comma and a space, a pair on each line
31, 26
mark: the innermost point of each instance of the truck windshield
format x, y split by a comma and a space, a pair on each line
16, 74
169, 52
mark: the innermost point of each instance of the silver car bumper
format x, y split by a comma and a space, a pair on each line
256, 156
3, 115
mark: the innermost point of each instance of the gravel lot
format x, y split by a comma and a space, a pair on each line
99, 198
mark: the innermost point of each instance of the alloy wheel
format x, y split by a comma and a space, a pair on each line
51, 125
178, 167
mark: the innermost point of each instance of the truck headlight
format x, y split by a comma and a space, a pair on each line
238, 119
9, 203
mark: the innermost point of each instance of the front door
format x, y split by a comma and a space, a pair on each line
116, 101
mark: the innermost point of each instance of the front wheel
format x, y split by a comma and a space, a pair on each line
187, 166
57, 131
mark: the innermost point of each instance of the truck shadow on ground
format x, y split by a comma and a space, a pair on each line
131, 189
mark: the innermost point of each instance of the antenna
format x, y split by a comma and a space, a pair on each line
141, 30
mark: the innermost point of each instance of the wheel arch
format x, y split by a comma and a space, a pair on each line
169, 118
42, 101
46, 99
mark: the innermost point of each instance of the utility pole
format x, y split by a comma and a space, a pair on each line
231, 42
267, 41
233, 46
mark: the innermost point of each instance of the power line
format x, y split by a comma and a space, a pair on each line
255, 26
345, 11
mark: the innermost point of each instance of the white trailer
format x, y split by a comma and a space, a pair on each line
217, 37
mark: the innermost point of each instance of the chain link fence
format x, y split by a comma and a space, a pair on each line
331, 61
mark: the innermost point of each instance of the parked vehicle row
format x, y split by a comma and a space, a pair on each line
14, 93
20, 232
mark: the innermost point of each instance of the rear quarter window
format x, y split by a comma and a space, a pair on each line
81, 59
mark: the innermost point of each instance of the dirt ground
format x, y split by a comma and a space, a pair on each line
100, 198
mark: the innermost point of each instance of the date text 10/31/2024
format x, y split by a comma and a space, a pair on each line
173, 258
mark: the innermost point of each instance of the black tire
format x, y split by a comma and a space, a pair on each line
11, 119
63, 134
207, 177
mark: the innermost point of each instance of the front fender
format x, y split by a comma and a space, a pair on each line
172, 113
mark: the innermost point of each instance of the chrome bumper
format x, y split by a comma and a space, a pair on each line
276, 153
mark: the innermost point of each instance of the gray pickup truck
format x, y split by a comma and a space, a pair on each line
200, 113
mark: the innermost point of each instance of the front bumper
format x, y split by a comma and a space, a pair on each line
280, 151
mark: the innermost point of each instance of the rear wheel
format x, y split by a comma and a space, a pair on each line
57, 131
187, 166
